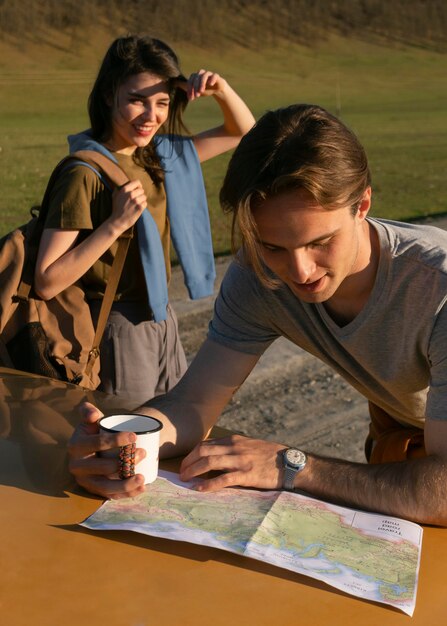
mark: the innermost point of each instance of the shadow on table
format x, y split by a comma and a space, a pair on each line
204, 554
37, 418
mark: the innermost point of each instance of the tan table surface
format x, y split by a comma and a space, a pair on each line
52, 571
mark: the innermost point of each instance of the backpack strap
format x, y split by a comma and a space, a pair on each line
109, 295
118, 178
106, 166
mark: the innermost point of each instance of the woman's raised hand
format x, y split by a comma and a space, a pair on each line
203, 83
237, 117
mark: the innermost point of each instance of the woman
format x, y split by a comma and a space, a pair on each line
139, 95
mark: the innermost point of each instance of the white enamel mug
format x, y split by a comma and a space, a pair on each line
147, 430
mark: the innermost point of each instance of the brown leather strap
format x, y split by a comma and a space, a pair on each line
107, 167
117, 177
390, 441
109, 295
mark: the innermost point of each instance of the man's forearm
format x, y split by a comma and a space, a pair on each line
183, 425
193, 406
414, 490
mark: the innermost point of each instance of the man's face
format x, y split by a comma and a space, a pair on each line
318, 253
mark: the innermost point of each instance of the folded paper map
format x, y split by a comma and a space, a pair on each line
368, 555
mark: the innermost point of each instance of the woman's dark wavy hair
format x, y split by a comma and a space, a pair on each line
301, 146
126, 57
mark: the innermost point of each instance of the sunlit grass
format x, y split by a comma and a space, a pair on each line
394, 99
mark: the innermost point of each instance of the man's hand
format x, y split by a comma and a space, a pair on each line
95, 473
243, 462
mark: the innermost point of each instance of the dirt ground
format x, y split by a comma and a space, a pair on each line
290, 396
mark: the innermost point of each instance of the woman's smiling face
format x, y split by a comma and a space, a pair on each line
140, 108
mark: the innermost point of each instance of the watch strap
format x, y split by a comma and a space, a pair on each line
289, 477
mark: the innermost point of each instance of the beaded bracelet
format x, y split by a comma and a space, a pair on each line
126, 467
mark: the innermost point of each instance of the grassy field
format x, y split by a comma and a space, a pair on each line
394, 98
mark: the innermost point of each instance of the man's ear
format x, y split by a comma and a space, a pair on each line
365, 204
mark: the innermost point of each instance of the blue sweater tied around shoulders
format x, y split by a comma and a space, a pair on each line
187, 210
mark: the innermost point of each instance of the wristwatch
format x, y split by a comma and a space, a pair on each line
294, 461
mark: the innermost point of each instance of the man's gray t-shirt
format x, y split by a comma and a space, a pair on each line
394, 352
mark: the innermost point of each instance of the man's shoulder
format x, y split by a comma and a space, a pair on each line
425, 235
240, 273
425, 244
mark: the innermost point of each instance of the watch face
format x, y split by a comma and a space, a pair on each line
295, 457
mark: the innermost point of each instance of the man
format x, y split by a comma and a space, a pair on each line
364, 295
